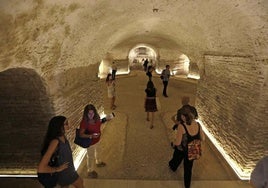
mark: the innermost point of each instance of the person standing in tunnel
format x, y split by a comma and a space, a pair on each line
149, 72
165, 78
114, 70
56, 165
150, 102
110, 82
145, 64
90, 127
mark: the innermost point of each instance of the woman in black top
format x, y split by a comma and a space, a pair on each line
150, 102
56, 165
149, 72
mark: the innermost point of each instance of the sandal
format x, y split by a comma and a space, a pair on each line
101, 164
92, 174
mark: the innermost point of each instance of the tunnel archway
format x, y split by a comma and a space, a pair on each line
24, 115
139, 53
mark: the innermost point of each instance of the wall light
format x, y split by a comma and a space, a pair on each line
240, 172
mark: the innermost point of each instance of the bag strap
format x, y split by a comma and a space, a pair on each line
188, 132
185, 129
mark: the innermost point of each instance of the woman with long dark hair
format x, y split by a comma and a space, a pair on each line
188, 129
110, 82
57, 159
150, 102
90, 127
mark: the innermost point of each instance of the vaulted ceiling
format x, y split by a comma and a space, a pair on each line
81, 32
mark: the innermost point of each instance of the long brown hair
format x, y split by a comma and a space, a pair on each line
86, 110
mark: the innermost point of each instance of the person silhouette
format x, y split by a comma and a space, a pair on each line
150, 102
165, 78
57, 147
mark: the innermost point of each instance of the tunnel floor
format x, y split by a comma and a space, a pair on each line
133, 151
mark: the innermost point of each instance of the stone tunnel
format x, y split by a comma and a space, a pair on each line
54, 54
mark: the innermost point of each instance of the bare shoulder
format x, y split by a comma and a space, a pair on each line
53, 144
181, 129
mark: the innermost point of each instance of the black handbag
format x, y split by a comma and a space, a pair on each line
54, 160
82, 142
50, 179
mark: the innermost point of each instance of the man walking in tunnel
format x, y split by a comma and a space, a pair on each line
185, 100
165, 78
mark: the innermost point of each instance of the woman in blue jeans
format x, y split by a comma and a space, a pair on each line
180, 145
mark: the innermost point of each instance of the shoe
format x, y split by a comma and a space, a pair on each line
151, 126
92, 174
101, 164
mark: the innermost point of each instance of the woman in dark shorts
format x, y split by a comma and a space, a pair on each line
150, 102
60, 170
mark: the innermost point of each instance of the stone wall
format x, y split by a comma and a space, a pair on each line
77, 87
232, 103
25, 111
27, 104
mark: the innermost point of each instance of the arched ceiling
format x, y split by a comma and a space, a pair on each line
81, 32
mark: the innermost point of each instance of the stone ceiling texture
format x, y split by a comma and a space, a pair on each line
81, 32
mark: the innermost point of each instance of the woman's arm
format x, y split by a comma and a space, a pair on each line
180, 132
202, 135
83, 135
174, 119
43, 165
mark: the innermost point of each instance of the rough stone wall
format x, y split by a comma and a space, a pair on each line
232, 103
25, 111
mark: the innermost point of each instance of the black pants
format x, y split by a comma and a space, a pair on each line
165, 83
175, 162
113, 74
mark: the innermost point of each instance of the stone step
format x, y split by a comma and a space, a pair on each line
104, 183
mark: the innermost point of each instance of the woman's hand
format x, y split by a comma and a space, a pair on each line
62, 167
95, 135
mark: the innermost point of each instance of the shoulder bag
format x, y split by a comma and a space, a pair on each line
82, 142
